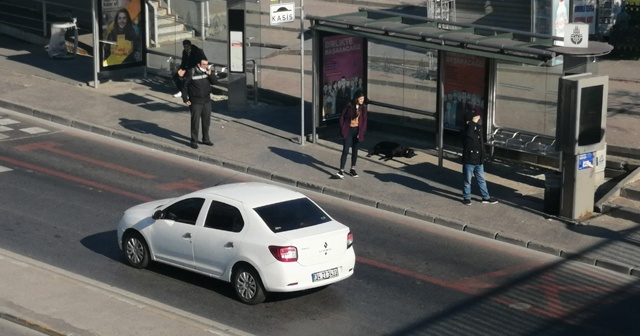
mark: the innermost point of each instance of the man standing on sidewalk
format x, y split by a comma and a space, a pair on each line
195, 93
191, 55
473, 156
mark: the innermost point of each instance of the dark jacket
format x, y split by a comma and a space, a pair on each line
191, 59
348, 113
473, 151
197, 86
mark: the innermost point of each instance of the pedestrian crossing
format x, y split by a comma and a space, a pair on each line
10, 128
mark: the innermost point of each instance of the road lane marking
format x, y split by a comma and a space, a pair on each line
76, 179
51, 147
7, 121
188, 184
4, 169
5, 129
34, 130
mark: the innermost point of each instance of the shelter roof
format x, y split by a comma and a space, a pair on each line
480, 40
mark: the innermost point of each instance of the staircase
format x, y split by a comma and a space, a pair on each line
623, 201
168, 26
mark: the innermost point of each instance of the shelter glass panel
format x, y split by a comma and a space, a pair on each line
527, 97
403, 76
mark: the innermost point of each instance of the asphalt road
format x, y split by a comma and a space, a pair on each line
62, 192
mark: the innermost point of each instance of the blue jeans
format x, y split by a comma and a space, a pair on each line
470, 170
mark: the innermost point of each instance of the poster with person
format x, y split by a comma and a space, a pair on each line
342, 73
121, 33
464, 88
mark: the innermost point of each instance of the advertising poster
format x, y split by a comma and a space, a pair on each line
121, 33
342, 73
464, 88
560, 19
236, 57
585, 11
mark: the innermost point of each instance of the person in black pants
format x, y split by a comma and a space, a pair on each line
195, 93
191, 56
353, 125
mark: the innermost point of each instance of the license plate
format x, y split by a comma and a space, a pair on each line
328, 274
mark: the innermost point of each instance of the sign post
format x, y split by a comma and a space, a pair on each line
284, 13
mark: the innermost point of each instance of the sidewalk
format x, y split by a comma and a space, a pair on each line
263, 142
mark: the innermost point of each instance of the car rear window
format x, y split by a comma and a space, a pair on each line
291, 215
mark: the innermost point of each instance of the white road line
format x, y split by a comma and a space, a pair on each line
6, 121
5, 129
4, 169
34, 130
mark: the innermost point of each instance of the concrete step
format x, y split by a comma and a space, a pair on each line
631, 191
171, 28
624, 208
172, 37
162, 11
166, 20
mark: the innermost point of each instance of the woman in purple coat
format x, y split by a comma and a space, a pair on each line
353, 125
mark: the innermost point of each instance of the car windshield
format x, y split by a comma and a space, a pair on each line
291, 215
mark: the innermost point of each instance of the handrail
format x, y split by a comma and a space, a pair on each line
155, 22
53, 3
402, 108
255, 71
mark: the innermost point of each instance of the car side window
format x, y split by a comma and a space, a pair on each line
225, 217
185, 211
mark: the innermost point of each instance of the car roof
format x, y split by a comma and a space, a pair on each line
252, 194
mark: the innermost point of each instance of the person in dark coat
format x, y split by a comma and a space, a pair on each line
473, 156
195, 93
353, 125
191, 56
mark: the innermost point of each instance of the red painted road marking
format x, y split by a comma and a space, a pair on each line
187, 184
76, 179
51, 147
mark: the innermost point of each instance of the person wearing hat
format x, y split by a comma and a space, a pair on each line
473, 156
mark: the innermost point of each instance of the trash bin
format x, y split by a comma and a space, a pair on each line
58, 42
552, 191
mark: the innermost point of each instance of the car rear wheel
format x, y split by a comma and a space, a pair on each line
136, 250
248, 285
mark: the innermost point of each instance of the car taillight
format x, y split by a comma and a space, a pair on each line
284, 253
349, 239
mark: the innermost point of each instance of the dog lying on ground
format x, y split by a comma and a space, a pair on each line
389, 150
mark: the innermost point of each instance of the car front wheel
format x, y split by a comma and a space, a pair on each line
248, 285
136, 250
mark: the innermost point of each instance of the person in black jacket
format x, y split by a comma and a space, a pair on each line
473, 156
195, 93
191, 56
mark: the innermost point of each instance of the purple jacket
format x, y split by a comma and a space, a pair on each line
349, 113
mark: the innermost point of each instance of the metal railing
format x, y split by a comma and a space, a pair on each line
45, 23
253, 69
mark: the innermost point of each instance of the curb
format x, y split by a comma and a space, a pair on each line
31, 324
329, 191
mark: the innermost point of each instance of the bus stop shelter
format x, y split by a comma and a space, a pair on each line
452, 41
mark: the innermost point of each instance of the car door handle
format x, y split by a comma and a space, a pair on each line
229, 245
187, 235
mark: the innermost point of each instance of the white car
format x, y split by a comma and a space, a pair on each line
257, 236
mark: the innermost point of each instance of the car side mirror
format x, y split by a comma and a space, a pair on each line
158, 215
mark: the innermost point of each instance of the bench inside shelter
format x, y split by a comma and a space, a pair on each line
523, 141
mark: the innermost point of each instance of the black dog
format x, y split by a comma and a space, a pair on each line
389, 150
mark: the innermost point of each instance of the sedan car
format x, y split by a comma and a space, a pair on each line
259, 237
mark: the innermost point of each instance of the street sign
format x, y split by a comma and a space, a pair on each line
282, 13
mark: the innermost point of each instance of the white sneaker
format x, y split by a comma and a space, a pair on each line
178, 95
